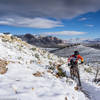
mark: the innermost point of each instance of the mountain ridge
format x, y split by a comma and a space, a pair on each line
41, 41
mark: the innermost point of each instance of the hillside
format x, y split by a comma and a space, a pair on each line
32, 74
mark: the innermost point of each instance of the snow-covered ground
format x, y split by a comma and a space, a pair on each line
21, 83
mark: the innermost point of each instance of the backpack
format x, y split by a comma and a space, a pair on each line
73, 61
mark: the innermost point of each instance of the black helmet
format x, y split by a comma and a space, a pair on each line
76, 53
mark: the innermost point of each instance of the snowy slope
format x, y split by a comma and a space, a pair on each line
21, 83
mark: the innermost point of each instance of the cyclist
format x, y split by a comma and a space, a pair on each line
74, 65
76, 57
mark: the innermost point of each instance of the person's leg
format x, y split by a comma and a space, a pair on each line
72, 72
78, 76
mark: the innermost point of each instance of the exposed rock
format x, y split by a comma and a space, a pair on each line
38, 74
66, 98
76, 88
3, 65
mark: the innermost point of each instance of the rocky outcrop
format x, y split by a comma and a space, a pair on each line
41, 41
3, 65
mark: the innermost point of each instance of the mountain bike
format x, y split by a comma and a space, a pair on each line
74, 71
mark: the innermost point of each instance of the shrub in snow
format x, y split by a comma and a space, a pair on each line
33, 49
52, 68
88, 70
37, 55
44, 51
19, 58
49, 57
97, 72
32, 61
20, 48
50, 63
60, 72
50, 71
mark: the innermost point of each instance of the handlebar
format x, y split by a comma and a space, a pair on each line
74, 64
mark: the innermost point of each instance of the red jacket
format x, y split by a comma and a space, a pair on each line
77, 58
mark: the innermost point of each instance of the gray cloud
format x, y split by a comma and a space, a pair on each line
47, 8
30, 22
35, 13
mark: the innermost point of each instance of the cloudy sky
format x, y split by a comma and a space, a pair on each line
62, 18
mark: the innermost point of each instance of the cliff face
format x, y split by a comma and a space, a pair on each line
41, 41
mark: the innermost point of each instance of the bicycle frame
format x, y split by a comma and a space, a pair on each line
74, 72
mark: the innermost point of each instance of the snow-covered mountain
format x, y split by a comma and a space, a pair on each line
32, 74
78, 40
83, 40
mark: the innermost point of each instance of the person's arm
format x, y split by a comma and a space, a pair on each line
81, 58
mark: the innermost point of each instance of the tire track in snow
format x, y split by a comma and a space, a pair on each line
91, 91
